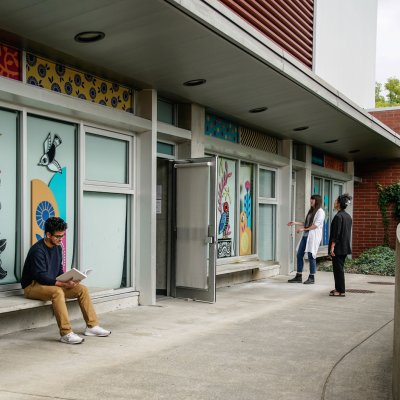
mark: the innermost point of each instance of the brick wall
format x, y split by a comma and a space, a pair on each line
367, 219
391, 118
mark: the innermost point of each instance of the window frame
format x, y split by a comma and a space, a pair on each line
105, 186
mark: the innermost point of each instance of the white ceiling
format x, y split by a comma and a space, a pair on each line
150, 43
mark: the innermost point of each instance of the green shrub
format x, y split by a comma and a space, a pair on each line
378, 260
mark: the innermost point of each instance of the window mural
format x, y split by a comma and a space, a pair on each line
221, 129
246, 209
226, 203
10, 62
8, 196
51, 173
63, 79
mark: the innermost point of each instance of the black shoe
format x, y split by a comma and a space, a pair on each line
296, 279
310, 280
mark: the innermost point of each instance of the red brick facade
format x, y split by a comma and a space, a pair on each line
367, 219
391, 118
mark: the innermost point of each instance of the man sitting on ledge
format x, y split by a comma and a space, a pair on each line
42, 265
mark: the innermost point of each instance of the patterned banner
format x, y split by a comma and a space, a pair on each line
62, 79
10, 62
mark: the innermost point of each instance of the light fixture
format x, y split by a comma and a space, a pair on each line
258, 110
195, 82
354, 151
301, 128
89, 36
331, 141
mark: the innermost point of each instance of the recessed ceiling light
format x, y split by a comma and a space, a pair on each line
89, 36
258, 110
195, 82
332, 141
354, 151
301, 128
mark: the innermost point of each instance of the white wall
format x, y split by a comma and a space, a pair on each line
345, 47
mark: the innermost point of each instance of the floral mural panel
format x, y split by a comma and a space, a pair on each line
246, 209
63, 79
226, 207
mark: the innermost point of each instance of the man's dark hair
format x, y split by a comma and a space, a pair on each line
54, 224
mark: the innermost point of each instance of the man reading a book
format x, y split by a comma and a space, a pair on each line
42, 266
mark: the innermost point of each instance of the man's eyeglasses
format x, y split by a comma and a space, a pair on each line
58, 236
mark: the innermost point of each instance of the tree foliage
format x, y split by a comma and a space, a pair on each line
392, 87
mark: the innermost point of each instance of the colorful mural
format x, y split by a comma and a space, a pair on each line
10, 62
63, 79
226, 207
49, 200
221, 129
246, 209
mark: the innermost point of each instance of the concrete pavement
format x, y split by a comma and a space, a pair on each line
266, 340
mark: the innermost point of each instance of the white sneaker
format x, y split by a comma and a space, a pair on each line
96, 331
71, 338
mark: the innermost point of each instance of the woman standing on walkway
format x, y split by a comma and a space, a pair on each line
339, 243
310, 240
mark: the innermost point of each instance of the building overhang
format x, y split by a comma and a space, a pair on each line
163, 43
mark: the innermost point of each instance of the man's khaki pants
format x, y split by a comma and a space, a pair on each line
57, 296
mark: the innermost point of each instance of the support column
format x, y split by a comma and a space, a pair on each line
283, 231
194, 148
145, 223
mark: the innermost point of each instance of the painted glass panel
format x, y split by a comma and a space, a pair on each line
246, 209
226, 204
106, 159
266, 244
8, 196
51, 177
327, 207
317, 186
106, 238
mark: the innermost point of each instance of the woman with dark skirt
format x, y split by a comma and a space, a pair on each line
339, 243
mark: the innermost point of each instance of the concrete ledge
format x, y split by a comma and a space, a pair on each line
232, 274
18, 313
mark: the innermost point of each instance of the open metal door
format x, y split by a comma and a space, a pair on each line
194, 229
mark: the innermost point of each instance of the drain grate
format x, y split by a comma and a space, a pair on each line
382, 283
359, 291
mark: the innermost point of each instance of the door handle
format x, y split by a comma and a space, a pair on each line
210, 240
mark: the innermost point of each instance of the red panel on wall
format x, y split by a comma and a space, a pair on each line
10, 62
289, 23
333, 163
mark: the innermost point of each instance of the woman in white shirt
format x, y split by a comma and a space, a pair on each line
310, 240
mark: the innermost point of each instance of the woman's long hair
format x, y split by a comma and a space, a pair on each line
313, 210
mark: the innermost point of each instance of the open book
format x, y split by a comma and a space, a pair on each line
74, 274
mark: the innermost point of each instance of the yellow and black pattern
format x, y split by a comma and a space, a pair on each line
63, 79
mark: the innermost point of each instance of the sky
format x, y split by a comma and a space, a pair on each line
388, 40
